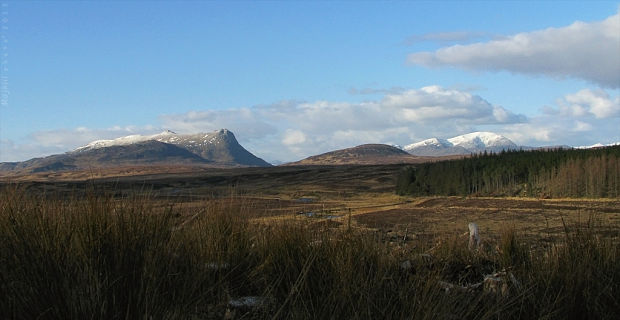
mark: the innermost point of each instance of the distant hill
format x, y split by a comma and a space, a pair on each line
219, 148
363, 154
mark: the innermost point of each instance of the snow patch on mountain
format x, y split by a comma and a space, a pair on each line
432, 142
127, 140
167, 136
464, 144
599, 145
481, 141
218, 146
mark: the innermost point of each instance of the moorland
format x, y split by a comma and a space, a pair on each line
300, 242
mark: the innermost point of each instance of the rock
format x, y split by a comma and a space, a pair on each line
474, 236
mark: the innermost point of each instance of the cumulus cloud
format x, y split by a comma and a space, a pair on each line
298, 129
243, 122
436, 103
72, 138
546, 130
591, 102
291, 130
586, 103
583, 118
13, 151
293, 137
583, 50
47, 142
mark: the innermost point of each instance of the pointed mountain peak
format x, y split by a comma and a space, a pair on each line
225, 136
225, 133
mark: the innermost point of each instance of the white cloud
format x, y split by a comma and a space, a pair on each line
69, 139
437, 103
594, 102
293, 137
242, 121
11, 151
531, 133
291, 130
588, 51
582, 118
581, 126
43, 143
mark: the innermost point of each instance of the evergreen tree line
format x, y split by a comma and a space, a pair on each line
592, 173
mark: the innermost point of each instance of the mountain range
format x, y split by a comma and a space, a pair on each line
466, 144
220, 148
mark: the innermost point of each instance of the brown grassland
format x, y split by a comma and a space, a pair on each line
313, 242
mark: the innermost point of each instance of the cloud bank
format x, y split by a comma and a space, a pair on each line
48, 142
585, 117
292, 130
589, 51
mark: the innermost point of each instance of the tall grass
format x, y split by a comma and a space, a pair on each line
105, 258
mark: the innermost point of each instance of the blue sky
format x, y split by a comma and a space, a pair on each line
293, 79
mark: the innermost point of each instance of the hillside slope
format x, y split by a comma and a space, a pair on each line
363, 154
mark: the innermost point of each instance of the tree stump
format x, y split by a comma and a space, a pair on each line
474, 236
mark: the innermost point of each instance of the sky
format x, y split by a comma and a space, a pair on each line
294, 79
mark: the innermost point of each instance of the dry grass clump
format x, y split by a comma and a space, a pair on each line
105, 258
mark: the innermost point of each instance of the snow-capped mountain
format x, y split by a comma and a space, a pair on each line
434, 147
198, 140
483, 141
123, 141
219, 149
464, 144
219, 146
599, 145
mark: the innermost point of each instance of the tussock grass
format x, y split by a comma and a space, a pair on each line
104, 258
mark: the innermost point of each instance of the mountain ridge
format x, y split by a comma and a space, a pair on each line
465, 144
219, 148
360, 155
